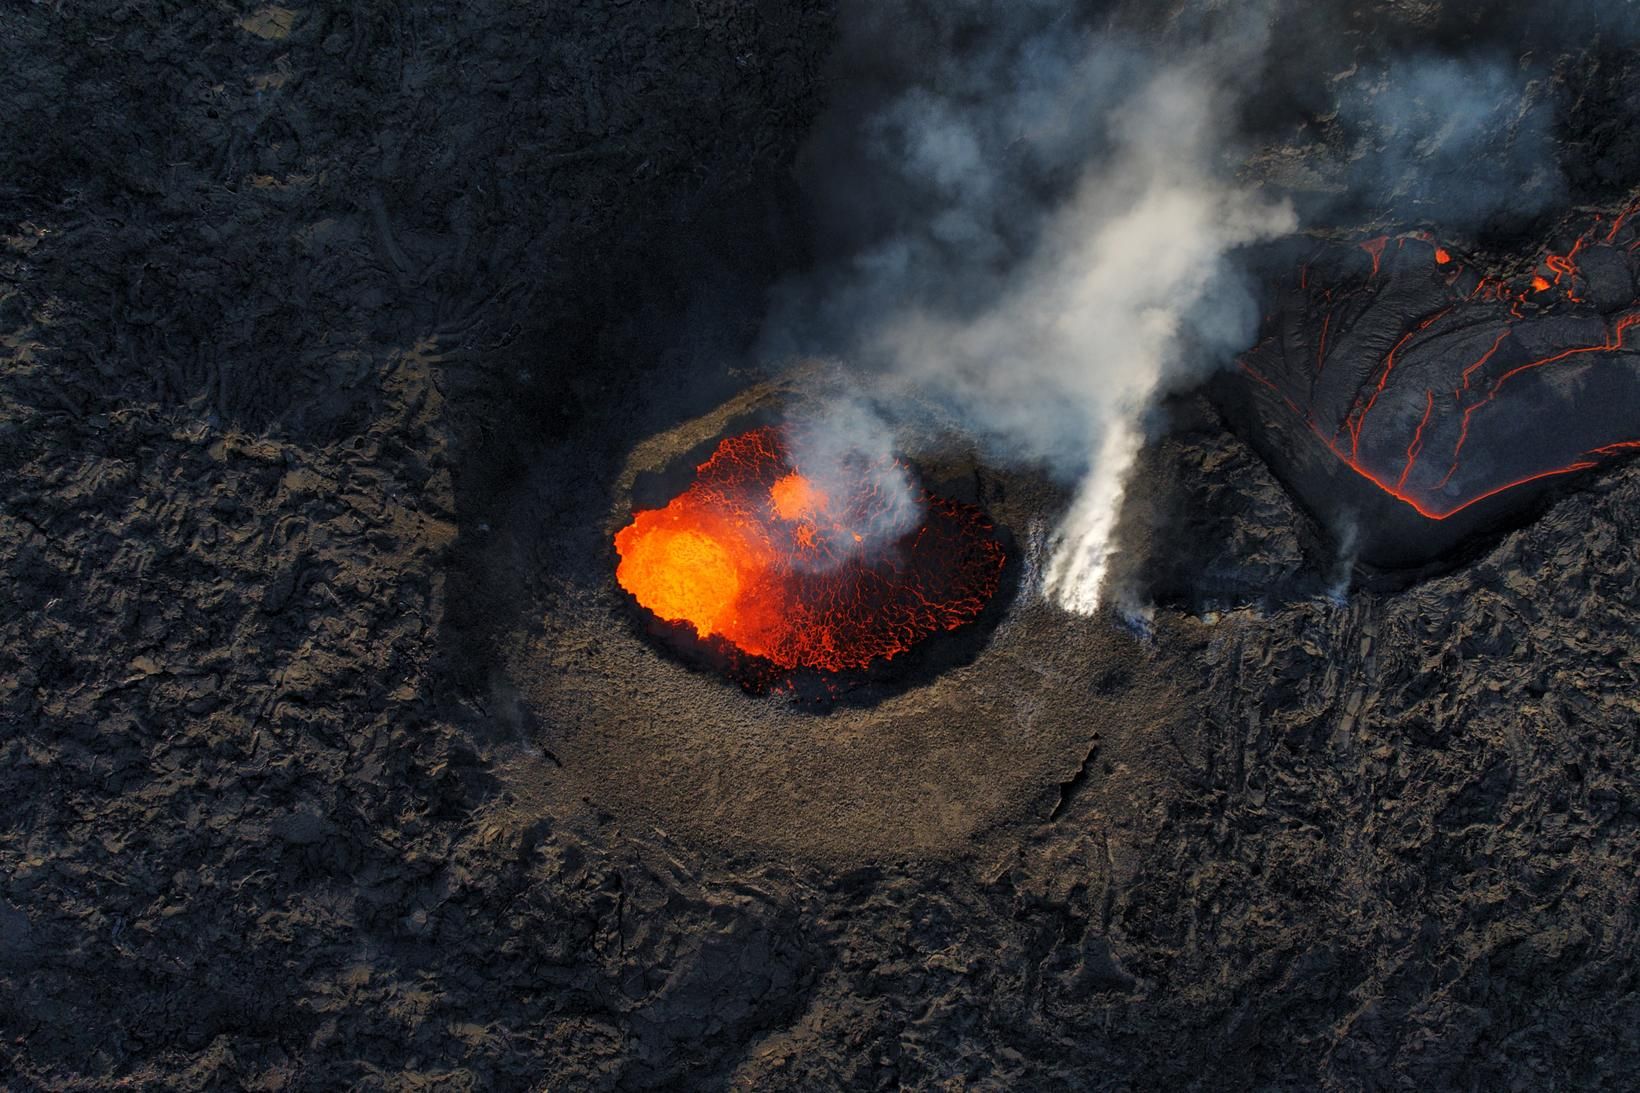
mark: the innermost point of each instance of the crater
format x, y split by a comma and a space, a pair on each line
964, 738
823, 580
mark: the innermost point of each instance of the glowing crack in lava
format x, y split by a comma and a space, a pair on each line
756, 554
1410, 429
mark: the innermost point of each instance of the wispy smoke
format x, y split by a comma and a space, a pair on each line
1048, 249
1338, 588
848, 455
1451, 140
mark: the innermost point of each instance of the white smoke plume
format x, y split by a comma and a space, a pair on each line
1065, 211
1096, 323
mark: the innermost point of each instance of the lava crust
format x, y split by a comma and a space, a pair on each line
1413, 399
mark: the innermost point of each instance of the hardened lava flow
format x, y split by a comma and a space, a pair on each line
1445, 391
762, 563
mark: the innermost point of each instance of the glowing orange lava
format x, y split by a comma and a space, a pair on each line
795, 497
684, 575
755, 554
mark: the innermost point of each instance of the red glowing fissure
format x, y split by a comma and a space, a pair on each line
1566, 274
1375, 247
1416, 447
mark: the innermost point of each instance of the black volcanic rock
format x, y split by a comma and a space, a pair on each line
1611, 281
1412, 401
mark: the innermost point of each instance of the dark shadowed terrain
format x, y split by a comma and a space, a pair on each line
332, 340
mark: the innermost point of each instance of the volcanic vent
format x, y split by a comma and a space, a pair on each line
782, 574
947, 739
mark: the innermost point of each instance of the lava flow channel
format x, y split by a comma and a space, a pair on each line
757, 555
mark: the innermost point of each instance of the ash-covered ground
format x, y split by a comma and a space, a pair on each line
330, 756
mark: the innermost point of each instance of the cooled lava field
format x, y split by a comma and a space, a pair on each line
447, 643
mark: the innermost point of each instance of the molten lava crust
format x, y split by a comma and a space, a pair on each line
778, 575
1449, 398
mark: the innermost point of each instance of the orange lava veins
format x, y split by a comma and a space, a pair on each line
754, 554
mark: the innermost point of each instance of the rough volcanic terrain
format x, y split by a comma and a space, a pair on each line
332, 340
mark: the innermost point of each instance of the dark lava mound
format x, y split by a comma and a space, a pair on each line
1413, 401
788, 576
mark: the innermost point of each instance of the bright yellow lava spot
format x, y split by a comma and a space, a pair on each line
682, 576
